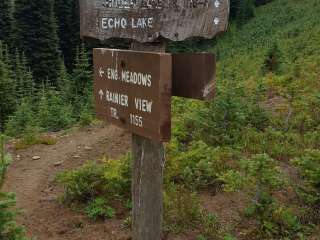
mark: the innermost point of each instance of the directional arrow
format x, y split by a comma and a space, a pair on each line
217, 3
101, 93
101, 72
216, 20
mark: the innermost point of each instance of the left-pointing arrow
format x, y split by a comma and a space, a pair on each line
101, 72
101, 93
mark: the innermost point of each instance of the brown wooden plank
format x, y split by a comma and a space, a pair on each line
194, 75
146, 21
147, 184
133, 90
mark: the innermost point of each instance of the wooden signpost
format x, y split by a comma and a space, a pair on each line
133, 89
147, 20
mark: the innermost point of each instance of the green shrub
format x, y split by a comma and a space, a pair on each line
260, 177
5, 160
83, 184
89, 184
99, 208
9, 230
32, 136
259, 173
22, 119
309, 167
86, 116
182, 209
198, 166
210, 226
53, 113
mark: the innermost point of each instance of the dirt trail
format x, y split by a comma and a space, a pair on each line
33, 183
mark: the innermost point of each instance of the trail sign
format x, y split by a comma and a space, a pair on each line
147, 20
133, 91
194, 75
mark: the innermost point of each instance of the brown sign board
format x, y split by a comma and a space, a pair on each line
133, 91
194, 75
147, 20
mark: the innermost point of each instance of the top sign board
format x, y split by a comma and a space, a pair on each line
146, 20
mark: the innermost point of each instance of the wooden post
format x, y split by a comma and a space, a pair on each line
147, 183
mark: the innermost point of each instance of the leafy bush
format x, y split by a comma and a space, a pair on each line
33, 137
198, 166
9, 230
222, 122
22, 119
182, 209
259, 173
86, 116
109, 180
99, 208
274, 220
260, 176
309, 167
5, 160
53, 113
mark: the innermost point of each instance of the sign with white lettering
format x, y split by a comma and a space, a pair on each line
147, 20
133, 90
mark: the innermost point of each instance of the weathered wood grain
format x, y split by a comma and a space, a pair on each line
147, 183
171, 19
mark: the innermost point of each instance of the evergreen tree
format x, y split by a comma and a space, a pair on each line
36, 35
67, 12
64, 84
63, 10
81, 81
272, 62
245, 11
53, 113
82, 73
23, 77
22, 119
75, 26
7, 93
5, 20
234, 5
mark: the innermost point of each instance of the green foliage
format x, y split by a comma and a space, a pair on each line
67, 13
260, 177
9, 230
82, 73
198, 166
53, 112
5, 160
86, 116
274, 219
6, 20
99, 208
273, 60
83, 184
22, 120
245, 11
109, 180
309, 167
7, 87
182, 209
23, 77
222, 121
210, 226
36, 35
259, 173
33, 137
